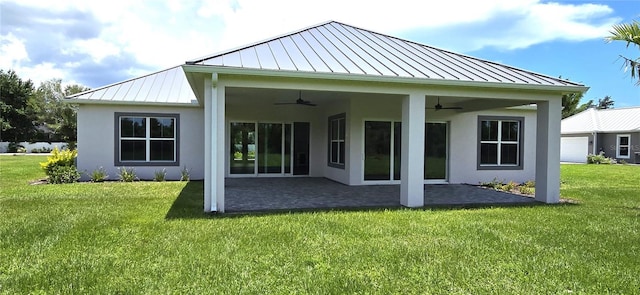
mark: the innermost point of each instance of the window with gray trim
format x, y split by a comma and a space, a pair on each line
336, 149
500, 142
146, 139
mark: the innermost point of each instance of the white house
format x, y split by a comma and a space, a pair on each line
333, 101
614, 132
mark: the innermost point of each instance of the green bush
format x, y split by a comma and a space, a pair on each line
14, 147
509, 186
63, 174
127, 174
184, 174
58, 159
160, 175
42, 150
599, 159
494, 184
98, 175
527, 190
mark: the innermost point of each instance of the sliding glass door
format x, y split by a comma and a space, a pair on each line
435, 151
269, 148
383, 147
270, 143
243, 148
377, 150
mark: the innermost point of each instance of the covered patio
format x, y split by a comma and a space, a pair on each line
309, 193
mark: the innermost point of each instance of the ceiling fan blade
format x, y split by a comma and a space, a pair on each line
298, 101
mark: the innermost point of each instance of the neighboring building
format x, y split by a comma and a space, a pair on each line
615, 132
331, 101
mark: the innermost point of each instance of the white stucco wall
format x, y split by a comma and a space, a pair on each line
336, 174
96, 140
463, 149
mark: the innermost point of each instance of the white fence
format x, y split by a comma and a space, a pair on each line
36, 145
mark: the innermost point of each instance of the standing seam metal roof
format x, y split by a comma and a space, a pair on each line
607, 120
335, 47
167, 86
327, 48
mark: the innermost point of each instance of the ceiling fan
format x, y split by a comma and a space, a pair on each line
438, 107
298, 101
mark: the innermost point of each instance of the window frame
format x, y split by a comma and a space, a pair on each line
148, 116
618, 146
520, 143
340, 141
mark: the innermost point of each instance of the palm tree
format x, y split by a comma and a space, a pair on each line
629, 33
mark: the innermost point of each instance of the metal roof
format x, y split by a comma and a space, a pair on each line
607, 120
169, 86
335, 47
328, 48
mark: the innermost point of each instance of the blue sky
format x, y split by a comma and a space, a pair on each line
96, 43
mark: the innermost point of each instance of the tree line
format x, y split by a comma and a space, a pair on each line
32, 114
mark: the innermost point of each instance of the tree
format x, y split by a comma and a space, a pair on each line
605, 103
55, 116
629, 33
571, 104
16, 115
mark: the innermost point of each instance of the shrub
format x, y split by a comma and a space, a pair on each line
599, 159
127, 174
509, 186
98, 175
64, 158
184, 174
623, 162
494, 184
527, 190
43, 150
14, 147
63, 174
529, 183
160, 175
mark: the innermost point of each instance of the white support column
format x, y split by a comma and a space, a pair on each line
219, 148
208, 131
548, 151
412, 163
214, 151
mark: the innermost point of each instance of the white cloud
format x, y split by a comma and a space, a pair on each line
98, 49
12, 51
160, 34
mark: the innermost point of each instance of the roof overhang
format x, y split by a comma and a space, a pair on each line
193, 71
193, 104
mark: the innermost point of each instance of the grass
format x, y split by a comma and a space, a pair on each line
151, 237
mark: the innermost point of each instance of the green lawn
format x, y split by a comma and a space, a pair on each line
147, 237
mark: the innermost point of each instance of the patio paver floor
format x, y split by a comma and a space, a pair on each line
297, 193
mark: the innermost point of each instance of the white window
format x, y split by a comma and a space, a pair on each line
500, 143
146, 139
337, 141
622, 146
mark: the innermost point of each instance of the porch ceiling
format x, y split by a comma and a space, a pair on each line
267, 97
261, 96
